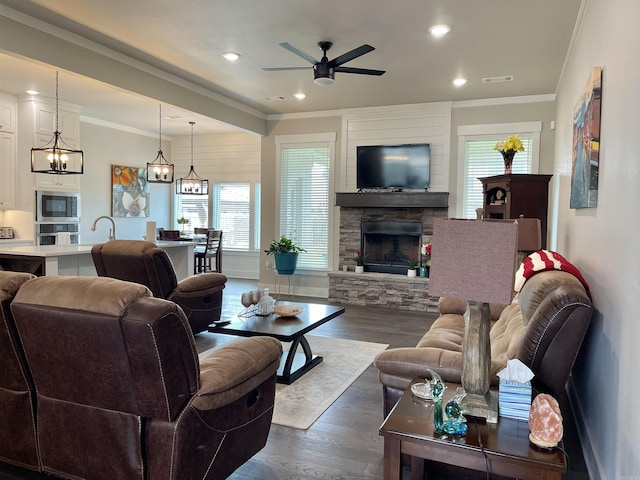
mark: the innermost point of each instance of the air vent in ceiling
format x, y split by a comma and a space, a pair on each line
505, 78
276, 98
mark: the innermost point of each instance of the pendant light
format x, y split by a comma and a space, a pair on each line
192, 184
160, 171
56, 157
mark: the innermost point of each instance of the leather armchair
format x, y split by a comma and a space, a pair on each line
121, 392
17, 394
200, 296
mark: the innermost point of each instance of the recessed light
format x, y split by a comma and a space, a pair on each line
439, 30
231, 56
458, 82
299, 96
32, 92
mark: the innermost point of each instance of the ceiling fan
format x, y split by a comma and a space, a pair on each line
324, 70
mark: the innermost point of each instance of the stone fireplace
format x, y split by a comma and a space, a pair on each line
384, 282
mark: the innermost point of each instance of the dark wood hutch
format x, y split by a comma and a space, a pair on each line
510, 196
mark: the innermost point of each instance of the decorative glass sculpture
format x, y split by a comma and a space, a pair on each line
437, 391
455, 424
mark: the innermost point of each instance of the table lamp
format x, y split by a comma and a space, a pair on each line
475, 260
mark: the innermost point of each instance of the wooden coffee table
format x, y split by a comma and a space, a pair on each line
293, 364
408, 429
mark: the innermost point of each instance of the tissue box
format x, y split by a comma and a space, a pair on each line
514, 399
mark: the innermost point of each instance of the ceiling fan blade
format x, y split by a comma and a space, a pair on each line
299, 52
362, 71
355, 53
277, 69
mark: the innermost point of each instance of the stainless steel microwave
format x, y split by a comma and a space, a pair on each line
57, 206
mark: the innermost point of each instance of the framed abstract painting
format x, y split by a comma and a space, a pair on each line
585, 158
130, 192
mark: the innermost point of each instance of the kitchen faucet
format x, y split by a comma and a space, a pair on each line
112, 232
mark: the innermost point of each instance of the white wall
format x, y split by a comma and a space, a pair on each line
103, 147
425, 123
602, 241
219, 159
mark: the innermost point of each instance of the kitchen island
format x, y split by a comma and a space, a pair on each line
55, 260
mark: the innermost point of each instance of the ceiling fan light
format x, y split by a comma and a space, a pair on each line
324, 81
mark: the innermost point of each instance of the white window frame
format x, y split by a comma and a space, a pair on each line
502, 130
254, 214
310, 140
215, 213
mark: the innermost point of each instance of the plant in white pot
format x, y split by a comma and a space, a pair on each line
358, 257
412, 263
285, 252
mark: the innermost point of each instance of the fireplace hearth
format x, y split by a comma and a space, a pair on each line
387, 245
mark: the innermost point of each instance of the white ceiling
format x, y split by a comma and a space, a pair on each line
528, 39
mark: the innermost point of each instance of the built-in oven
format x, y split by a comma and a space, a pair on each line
57, 206
53, 233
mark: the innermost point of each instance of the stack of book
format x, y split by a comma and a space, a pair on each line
514, 399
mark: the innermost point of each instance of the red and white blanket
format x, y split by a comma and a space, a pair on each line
546, 260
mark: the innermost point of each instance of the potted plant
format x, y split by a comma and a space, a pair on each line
182, 221
412, 263
358, 257
285, 251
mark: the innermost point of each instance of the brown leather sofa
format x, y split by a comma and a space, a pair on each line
121, 392
17, 393
543, 327
200, 296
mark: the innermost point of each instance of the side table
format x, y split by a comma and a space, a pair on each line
408, 430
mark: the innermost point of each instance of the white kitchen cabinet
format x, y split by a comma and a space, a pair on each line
8, 169
7, 115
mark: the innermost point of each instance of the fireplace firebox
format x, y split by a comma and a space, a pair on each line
387, 245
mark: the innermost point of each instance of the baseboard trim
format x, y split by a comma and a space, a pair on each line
588, 450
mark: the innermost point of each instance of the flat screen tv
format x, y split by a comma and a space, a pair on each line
393, 166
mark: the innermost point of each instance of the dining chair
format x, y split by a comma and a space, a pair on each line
210, 248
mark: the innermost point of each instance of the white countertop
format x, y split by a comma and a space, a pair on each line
64, 250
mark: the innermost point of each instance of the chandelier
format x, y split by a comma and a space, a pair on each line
192, 184
160, 171
56, 157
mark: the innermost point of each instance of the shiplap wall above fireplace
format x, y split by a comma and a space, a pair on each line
425, 123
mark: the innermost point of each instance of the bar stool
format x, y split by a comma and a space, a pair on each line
208, 250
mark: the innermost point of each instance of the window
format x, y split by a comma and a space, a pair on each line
232, 214
194, 208
305, 178
479, 159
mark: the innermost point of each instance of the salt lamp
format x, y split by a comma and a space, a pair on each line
545, 421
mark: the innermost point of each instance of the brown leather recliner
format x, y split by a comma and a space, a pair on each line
544, 328
200, 296
120, 390
17, 394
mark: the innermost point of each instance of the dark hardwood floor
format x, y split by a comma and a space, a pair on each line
344, 442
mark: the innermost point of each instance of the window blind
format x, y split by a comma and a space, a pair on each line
304, 201
232, 210
194, 208
481, 160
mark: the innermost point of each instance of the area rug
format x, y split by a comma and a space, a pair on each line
300, 404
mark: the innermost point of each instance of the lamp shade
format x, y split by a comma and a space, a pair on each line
474, 259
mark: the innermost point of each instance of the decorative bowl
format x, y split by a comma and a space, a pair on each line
422, 391
288, 310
